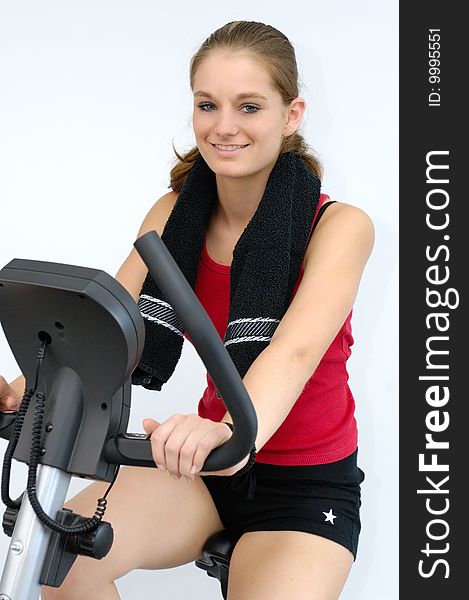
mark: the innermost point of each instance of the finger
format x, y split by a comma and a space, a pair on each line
159, 438
217, 436
11, 403
149, 425
187, 453
176, 441
189, 450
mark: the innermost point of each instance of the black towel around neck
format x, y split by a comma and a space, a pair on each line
266, 264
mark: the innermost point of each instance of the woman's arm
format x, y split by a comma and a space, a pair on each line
334, 263
132, 272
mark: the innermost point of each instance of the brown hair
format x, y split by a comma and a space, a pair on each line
276, 53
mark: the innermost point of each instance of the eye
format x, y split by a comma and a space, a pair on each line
205, 106
251, 106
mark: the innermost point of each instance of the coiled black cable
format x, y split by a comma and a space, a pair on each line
85, 527
37, 430
14, 437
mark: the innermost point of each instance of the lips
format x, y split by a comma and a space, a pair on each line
229, 149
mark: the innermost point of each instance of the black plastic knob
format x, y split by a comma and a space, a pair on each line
96, 543
9, 520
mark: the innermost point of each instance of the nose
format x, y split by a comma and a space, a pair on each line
226, 123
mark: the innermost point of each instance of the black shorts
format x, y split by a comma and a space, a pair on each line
320, 499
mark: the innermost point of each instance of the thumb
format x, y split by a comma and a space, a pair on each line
149, 425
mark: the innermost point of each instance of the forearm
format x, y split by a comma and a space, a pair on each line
274, 382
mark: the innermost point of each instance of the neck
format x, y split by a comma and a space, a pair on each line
239, 198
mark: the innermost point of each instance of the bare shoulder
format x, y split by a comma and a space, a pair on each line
133, 270
342, 224
340, 214
158, 214
337, 255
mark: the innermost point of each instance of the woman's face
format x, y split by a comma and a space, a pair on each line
239, 118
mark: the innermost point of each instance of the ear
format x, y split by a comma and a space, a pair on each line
294, 115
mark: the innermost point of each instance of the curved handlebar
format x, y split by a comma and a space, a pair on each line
210, 348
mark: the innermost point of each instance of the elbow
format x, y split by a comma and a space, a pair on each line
301, 360
306, 361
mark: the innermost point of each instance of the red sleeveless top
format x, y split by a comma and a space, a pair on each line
321, 427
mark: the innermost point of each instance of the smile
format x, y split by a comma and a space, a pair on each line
229, 150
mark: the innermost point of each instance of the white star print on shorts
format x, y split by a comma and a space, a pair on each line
329, 516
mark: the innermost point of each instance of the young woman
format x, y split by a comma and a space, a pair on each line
299, 520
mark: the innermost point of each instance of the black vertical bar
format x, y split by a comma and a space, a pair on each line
434, 428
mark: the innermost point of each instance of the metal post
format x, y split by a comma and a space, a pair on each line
30, 539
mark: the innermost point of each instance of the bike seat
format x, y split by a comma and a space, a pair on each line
216, 556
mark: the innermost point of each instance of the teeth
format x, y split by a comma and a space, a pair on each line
229, 147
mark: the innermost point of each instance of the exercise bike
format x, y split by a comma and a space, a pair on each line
77, 335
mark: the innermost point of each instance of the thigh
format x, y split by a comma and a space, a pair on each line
280, 565
158, 523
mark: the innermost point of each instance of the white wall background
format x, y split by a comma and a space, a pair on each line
92, 95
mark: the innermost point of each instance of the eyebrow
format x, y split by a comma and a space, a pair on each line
238, 97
